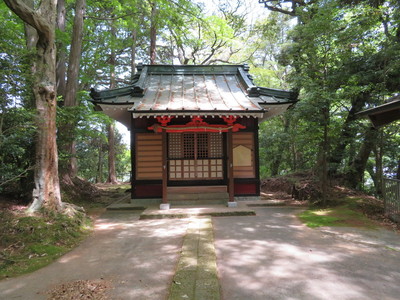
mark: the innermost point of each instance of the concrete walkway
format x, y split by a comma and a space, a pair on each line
267, 256
274, 256
137, 257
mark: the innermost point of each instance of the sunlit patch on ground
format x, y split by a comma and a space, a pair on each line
336, 216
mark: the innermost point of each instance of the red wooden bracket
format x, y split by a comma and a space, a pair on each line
196, 125
164, 120
229, 120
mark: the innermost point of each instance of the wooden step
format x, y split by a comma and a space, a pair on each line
197, 202
201, 196
197, 195
197, 189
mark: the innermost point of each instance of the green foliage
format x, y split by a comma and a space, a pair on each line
342, 58
92, 142
16, 150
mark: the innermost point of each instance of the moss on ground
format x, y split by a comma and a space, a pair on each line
343, 215
196, 275
28, 243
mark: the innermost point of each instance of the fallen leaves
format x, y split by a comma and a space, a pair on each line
81, 289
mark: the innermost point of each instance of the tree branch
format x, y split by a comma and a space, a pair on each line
269, 4
31, 17
281, 10
16, 177
110, 19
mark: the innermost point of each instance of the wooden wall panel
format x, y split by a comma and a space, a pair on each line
245, 139
148, 190
148, 156
248, 189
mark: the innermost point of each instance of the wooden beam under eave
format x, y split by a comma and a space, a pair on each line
384, 118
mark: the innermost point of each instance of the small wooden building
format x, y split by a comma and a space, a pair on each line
383, 114
194, 130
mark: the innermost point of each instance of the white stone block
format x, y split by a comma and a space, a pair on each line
165, 206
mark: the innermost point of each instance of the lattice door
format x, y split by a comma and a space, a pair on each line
194, 156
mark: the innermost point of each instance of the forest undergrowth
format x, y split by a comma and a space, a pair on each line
30, 242
304, 189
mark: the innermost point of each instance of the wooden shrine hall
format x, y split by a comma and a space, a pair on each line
194, 131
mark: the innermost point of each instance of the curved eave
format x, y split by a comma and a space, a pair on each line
118, 112
274, 109
289, 96
117, 100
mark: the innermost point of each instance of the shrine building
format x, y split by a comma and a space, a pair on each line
194, 131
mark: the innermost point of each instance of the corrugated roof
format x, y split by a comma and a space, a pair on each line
191, 93
195, 90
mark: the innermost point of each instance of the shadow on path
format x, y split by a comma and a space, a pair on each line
274, 256
137, 257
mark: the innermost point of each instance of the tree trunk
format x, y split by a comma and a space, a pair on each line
47, 188
153, 33
398, 170
325, 151
31, 38
370, 169
75, 54
99, 176
321, 166
354, 177
276, 160
61, 56
112, 177
379, 166
133, 53
70, 169
295, 155
31, 35
347, 133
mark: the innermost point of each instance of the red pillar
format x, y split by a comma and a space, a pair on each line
230, 166
164, 167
